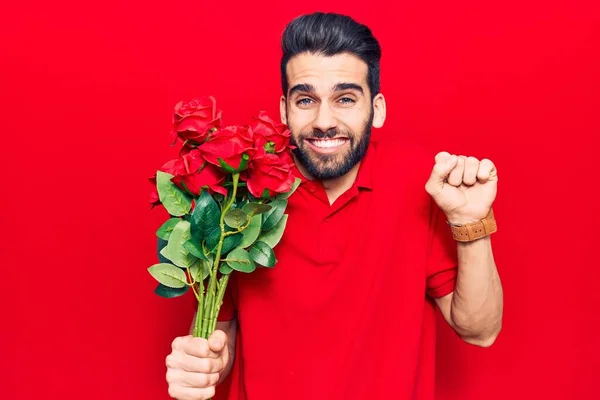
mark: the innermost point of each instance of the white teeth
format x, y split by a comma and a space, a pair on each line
328, 143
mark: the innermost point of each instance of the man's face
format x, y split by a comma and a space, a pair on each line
329, 112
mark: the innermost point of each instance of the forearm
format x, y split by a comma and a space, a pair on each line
477, 302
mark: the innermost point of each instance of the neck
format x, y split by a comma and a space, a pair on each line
334, 187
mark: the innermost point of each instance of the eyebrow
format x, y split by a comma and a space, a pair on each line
348, 86
301, 87
308, 88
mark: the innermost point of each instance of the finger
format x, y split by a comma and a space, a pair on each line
441, 156
217, 340
440, 172
194, 346
191, 379
187, 393
486, 170
471, 169
456, 175
186, 362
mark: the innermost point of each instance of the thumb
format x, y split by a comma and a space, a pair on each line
442, 169
217, 341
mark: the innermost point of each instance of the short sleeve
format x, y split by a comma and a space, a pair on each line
442, 258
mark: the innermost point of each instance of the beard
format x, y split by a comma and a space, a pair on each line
331, 166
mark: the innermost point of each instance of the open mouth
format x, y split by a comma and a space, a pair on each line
327, 146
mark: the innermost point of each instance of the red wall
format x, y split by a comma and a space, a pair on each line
87, 91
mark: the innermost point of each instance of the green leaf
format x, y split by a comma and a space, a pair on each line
230, 169
169, 275
226, 167
239, 260
225, 269
176, 201
235, 218
250, 234
205, 217
200, 270
165, 229
286, 195
273, 236
262, 254
256, 208
169, 293
218, 197
229, 242
266, 194
272, 217
161, 246
194, 248
176, 251
213, 239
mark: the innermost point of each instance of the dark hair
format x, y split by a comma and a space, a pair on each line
330, 34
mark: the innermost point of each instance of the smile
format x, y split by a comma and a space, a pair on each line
327, 146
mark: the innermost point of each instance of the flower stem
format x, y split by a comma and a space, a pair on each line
214, 299
219, 302
200, 312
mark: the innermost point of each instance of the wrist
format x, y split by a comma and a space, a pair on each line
463, 219
466, 232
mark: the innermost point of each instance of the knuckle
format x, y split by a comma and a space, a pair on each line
170, 360
213, 379
173, 391
204, 365
209, 392
177, 343
438, 169
203, 381
171, 376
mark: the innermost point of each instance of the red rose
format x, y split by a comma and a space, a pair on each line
230, 144
266, 130
194, 119
269, 172
209, 177
189, 162
190, 175
153, 196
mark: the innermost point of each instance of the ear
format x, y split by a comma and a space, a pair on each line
379, 110
282, 110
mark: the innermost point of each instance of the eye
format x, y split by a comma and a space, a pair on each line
346, 100
304, 102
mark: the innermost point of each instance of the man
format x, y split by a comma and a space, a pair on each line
367, 255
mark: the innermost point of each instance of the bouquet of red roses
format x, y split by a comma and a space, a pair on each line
226, 195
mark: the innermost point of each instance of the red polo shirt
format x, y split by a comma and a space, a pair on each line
347, 312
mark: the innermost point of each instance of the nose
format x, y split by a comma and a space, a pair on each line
325, 118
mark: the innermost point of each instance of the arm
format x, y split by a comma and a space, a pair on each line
230, 329
474, 309
465, 189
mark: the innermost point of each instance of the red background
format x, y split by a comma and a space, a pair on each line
87, 91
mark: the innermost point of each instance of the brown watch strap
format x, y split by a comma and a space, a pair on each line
475, 230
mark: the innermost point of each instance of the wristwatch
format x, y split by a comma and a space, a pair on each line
476, 230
